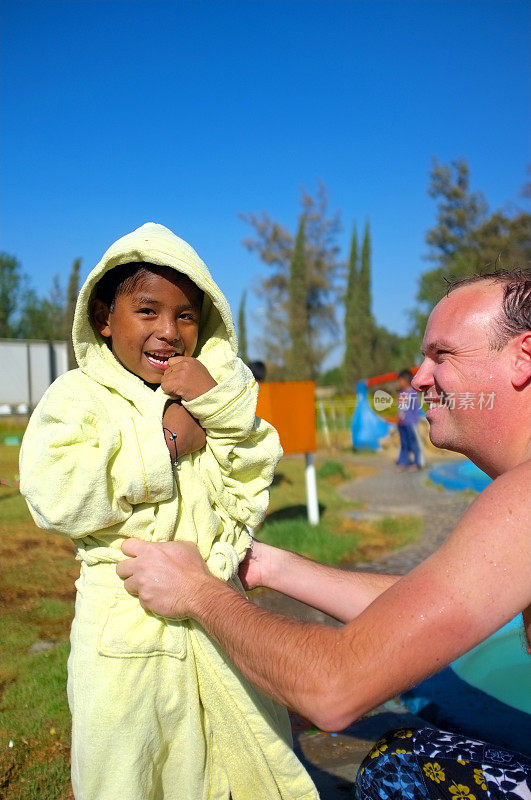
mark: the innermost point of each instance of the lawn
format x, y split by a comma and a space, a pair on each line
338, 539
38, 573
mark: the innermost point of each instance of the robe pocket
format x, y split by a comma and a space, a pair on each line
131, 632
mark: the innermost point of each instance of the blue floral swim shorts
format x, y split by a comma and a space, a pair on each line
429, 764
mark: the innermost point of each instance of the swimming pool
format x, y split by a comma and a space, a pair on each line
459, 476
484, 694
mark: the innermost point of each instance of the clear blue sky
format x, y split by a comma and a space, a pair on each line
189, 112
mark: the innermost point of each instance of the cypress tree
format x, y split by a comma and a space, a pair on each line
365, 274
299, 368
242, 330
71, 298
367, 325
350, 367
360, 326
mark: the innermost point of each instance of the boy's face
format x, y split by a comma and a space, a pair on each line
157, 320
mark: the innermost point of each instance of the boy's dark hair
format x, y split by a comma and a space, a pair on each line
407, 374
124, 279
515, 313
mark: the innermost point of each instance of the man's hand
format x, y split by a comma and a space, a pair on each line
166, 576
186, 378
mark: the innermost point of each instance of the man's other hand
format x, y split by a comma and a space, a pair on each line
166, 576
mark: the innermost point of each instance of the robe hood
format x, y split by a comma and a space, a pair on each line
217, 343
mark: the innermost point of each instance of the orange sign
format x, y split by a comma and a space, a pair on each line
290, 407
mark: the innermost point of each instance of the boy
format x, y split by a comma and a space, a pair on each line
154, 437
408, 417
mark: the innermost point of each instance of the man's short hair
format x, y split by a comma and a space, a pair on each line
515, 316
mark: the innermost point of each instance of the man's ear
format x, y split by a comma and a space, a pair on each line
100, 315
522, 360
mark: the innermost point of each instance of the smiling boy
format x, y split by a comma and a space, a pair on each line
154, 437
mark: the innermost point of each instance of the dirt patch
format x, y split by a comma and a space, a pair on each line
328, 749
14, 759
21, 594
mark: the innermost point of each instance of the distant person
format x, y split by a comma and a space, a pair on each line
155, 437
398, 630
259, 370
410, 455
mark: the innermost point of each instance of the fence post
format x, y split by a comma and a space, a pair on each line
325, 424
311, 490
28, 367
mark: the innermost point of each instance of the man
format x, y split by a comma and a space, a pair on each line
398, 630
410, 455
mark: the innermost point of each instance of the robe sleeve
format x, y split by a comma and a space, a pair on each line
80, 472
245, 449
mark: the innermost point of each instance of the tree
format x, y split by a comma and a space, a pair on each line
361, 332
298, 366
274, 245
72, 292
242, 330
392, 352
350, 365
368, 331
466, 238
459, 211
43, 318
11, 288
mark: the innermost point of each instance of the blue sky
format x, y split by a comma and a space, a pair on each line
188, 112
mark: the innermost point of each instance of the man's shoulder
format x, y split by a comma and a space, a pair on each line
506, 499
515, 482
518, 477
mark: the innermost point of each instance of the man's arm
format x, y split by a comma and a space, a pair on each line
476, 582
341, 594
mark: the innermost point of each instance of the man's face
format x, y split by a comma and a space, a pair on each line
464, 381
159, 319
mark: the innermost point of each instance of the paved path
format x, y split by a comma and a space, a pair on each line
333, 759
392, 493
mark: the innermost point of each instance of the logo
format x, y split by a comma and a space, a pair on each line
382, 400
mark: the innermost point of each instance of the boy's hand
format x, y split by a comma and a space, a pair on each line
253, 569
190, 436
186, 378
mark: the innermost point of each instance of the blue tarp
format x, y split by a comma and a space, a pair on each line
367, 427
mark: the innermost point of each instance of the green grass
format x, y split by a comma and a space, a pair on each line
337, 539
405, 530
313, 541
35, 718
38, 573
12, 426
331, 469
13, 507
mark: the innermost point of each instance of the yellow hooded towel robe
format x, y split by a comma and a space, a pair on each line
159, 712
